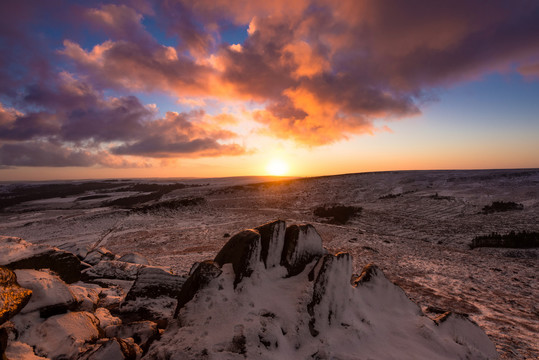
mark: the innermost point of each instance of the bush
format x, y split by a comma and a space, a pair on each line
499, 206
337, 214
520, 240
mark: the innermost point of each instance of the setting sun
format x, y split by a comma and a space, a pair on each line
277, 167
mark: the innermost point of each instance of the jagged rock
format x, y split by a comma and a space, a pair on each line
153, 282
19, 254
63, 336
142, 332
331, 291
111, 349
112, 269
106, 318
86, 296
272, 241
50, 295
13, 297
96, 255
302, 244
243, 252
135, 258
205, 272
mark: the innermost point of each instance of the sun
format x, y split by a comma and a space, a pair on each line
277, 167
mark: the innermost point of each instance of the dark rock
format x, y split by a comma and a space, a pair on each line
201, 277
272, 241
96, 255
3, 342
13, 297
142, 332
153, 282
369, 271
112, 269
135, 258
302, 244
243, 252
330, 295
19, 254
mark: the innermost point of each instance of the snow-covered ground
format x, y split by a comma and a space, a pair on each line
418, 240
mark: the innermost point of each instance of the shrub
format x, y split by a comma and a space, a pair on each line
520, 240
499, 206
337, 214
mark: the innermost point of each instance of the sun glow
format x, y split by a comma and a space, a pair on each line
277, 167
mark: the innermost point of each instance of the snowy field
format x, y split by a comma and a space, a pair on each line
415, 226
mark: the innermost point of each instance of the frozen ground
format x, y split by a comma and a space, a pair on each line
420, 241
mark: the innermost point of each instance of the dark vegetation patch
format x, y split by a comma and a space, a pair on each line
390, 196
156, 192
132, 201
170, 205
500, 206
337, 214
519, 240
92, 197
441, 197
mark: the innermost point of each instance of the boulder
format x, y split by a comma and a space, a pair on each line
17, 350
13, 297
96, 255
205, 272
50, 295
302, 245
19, 254
63, 336
243, 252
111, 269
142, 332
111, 349
106, 318
135, 258
86, 296
153, 282
272, 241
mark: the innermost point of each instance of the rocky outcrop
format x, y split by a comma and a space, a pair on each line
94, 256
272, 241
19, 254
13, 297
153, 282
302, 244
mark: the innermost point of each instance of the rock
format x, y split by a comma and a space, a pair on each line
302, 245
85, 296
3, 342
106, 319
76, 248
205, 272
153, 282
243, 252
112, 269
63, 336
19, 254
13, 297
96, 255
50, 295
331, 291
135, 258
272, 240
111, 349
17, 350
142, 332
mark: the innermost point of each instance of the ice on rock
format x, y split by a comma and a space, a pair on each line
272, 240
50, 295
19, 254
243, 252
302, 244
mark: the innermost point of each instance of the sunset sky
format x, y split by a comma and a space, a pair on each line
212, 88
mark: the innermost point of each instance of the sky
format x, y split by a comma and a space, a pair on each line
215, 88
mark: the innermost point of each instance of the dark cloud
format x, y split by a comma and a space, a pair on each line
42, 153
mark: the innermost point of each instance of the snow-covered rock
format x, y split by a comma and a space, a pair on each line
112, 269
17, 253
50, 295
63, 336
153, 282
17, 350
200, 277
243, 252
135, 258
13, 297
106, 318
272, 240
143, 332
111, 349
86, 295
278, 313
302, 244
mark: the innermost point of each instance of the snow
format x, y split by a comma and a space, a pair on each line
17, 350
